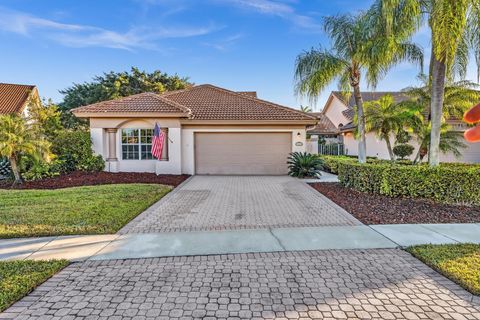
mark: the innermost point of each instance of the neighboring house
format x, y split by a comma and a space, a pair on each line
209, 130
15, 98
341, 113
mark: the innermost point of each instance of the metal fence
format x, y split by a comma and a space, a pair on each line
336, 149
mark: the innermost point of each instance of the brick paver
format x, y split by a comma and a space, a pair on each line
380, 284
239, 202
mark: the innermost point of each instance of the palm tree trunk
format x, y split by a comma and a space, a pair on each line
438, 90
16, 173
362, 144
389, 147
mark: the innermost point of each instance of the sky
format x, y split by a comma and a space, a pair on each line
241, 45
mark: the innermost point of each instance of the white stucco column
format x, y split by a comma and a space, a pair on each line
112, 150
312, 144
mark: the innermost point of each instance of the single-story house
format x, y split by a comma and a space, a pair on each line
209, 130
340, 113
16, 98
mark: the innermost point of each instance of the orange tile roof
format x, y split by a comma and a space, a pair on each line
13, 97
209, 102
203, 102
142, 102
324, 125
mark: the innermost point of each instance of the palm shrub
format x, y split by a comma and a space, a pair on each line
304, 165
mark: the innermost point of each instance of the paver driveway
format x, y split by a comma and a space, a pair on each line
380, 284
240, 202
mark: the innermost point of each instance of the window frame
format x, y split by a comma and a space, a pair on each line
138, 136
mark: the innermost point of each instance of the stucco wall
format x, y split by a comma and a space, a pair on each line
180, 144
378, 148
188, 152
334, 109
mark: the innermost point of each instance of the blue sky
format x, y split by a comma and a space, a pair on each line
236, 44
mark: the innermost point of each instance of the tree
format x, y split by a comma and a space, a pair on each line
45, 117
305, 109
384, 117
359, 45
18, 137
114, 85
450, 141
459, 96
455, 29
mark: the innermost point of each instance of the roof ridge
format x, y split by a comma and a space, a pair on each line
18, 84
255, 99
133, 96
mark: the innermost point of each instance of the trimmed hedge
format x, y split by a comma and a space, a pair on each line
453, 184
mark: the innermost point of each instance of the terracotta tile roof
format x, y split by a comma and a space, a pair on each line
202, 102
142, 102
13, 97
208, 102
248, 93
324, 125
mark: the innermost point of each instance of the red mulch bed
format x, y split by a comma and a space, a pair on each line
378, 209
79, 178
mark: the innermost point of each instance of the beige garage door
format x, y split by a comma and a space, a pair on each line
242, 153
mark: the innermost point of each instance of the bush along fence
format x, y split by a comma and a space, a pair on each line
451, 184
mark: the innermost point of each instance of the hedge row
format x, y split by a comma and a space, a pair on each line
453, 184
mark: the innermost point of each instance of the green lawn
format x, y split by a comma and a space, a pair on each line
81, 210
18, 278
459, 262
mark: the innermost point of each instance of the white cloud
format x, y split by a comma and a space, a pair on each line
226, 43
76, 35
279, 9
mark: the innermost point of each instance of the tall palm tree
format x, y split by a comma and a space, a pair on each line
18, 137
455, 29
384, 117
359, 48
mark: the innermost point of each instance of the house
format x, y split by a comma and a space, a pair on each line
15, 98
341, 112
209, 130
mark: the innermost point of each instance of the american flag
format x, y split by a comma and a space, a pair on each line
157, 142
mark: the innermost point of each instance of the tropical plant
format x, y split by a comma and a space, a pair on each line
359, 47
302, 164
384, 117
5, 169
18, 137
455, 29
403, 150
459, 96
305, 109
451, 141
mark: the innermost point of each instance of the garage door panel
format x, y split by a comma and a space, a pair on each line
242, 153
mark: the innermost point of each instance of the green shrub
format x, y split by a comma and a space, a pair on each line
74, 149
302, 164
330, 163
40, 170
446, 183
403, 150
5, 169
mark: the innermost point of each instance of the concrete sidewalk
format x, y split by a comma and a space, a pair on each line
130, 246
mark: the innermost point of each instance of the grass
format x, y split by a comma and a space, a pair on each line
81, 210
459, 262
18, 278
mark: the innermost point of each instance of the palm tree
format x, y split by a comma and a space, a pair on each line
455, 29
18, 137
450, 141
459, 96
359, 47
305, 109
384, 117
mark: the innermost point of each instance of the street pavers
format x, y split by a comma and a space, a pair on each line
334, 284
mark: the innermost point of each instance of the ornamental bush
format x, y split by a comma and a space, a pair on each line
453, 184
304, 165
